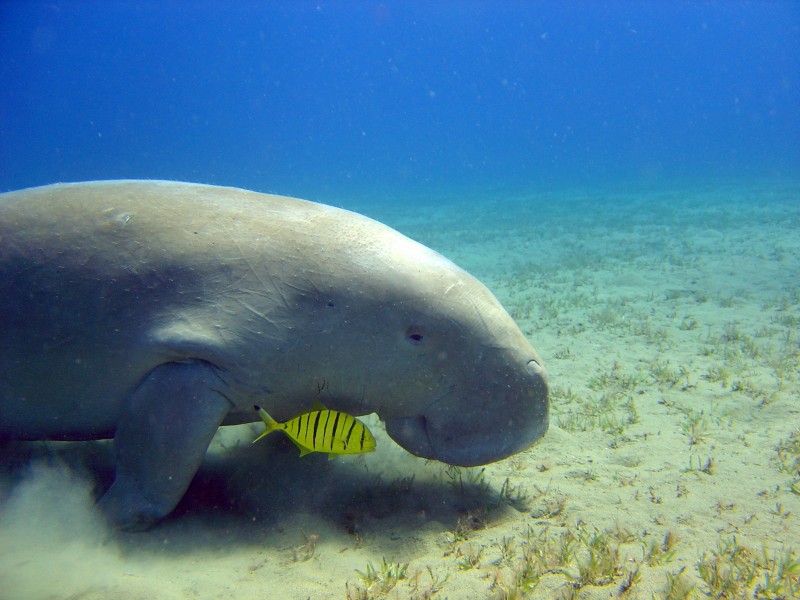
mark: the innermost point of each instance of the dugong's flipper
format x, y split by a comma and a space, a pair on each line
162, 437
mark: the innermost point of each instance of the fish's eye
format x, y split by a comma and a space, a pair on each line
414, 336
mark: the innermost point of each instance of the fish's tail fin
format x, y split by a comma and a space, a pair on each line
270, 423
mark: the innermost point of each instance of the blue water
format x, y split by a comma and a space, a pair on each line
337, 101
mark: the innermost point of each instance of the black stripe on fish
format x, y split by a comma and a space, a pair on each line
304, 430
347, 437
326, 440
333, 429
314, 437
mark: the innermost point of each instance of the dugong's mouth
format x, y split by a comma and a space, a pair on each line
418, 437
412, 434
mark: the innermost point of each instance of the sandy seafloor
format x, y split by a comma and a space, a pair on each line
668, 321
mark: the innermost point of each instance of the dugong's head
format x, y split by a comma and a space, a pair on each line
472, 390
397, 329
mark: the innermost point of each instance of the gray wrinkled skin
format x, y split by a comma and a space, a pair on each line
154, 312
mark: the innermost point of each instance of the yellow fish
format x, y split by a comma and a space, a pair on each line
322, 430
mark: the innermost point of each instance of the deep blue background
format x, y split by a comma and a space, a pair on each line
341, 100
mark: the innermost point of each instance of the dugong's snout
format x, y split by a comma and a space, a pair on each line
496, 419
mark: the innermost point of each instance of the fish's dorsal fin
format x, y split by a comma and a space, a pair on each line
318, 405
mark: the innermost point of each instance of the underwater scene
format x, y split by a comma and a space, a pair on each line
623, 178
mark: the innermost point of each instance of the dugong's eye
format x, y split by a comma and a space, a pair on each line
414, 336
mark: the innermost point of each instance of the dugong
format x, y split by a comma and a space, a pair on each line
152, 312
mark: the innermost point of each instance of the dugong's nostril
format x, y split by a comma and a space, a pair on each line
534, 368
